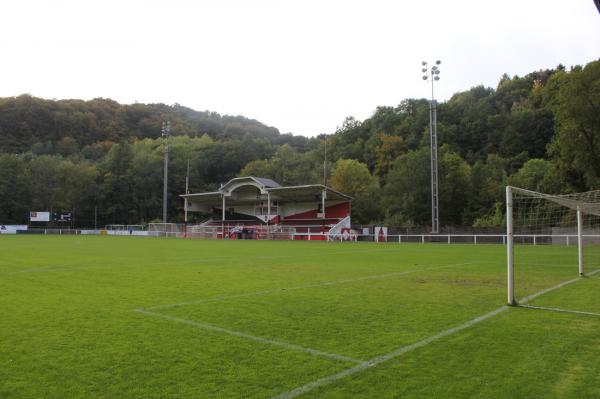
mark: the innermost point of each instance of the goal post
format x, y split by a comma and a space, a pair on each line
539, 219
510, 255
166, 229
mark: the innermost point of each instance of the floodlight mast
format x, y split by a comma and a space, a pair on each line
433, 75
165, 133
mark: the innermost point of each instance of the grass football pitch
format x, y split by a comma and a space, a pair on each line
129, 317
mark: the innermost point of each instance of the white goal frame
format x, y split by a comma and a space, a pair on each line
165, 227
510, 237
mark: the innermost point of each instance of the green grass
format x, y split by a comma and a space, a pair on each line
69, 325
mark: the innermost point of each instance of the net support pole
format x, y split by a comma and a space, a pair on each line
580, 240
509, 248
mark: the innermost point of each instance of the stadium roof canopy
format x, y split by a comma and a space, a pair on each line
276, 191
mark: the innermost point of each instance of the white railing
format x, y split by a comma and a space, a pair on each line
532, 239
335, 232
278, 232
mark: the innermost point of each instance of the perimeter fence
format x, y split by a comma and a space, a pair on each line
311, 233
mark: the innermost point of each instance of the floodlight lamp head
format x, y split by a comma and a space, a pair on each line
434, 68
425, 77
166, 127
437, 78
438, 62
437, 72
424, 63
424, 70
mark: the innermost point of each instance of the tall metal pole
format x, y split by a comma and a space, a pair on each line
325, 166
187, 191
185, 200
580, 240
435, 217
166, 130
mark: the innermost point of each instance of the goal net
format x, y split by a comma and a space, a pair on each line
553, 239
166, 229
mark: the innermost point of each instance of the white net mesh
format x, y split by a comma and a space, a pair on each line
546, 240
552, 219
166, 227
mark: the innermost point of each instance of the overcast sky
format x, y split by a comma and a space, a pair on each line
301, 66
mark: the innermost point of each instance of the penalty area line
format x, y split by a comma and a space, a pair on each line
286, 345
405, 349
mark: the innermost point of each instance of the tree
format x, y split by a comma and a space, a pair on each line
44, 178
147, 184
406, 195
575, 99
540, 175
353, 178
488, 181
389, 149
454, 186
67, 146
117, 185
492, 219
15, 194
287, 167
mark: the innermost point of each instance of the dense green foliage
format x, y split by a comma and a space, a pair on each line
70, 329
540, 131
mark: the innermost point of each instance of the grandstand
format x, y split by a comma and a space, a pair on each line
258, 208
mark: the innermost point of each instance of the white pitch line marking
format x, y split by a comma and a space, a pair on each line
301, 287
287, 345
312, 254
542, 292
404, 349
560, 310
45, 269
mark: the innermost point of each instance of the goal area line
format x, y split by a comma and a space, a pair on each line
579, 312
405, 349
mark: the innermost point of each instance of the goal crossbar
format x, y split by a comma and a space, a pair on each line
579, 201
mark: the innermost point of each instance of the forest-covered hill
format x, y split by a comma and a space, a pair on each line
540, 131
